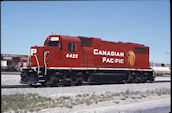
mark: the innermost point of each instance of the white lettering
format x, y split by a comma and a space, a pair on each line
33, 51
108, 61
95, 51
122, 61
103, 59
122, 54
100, 52
112, 60
112, 53
104, 52
71, 55
108, 53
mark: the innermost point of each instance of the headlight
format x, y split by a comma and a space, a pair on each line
54, 38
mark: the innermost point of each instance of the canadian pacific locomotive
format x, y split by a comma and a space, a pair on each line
68, 60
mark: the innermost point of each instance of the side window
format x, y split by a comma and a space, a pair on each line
69, 46
60, 45
141, 50
73, 47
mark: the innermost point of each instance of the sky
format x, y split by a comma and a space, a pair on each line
28, 23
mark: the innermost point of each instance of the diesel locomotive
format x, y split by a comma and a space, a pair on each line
69, 60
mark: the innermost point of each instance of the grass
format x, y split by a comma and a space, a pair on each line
34, 102
21, 101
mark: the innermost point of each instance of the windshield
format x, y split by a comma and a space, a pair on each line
53, 43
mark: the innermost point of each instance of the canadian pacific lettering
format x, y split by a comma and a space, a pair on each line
108, 53
113, 54
112, 60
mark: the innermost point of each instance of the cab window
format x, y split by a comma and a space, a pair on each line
73, 47
53, 43
69, 46
60, 45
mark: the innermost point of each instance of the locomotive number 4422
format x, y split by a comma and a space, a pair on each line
68, 55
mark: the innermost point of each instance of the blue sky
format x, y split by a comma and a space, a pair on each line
26, 24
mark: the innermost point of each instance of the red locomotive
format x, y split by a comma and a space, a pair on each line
67, 60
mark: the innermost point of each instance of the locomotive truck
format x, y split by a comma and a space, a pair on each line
69, 60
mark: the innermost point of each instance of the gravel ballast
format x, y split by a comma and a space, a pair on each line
110, 106
54, 92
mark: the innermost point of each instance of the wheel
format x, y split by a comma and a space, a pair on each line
32, 79
67, 82
53, 81
43, 84
24, 78
78, 81
150, 78
143, 80
60, 80
138, 79
130, 79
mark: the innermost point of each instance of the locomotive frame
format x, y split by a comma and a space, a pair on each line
67, 60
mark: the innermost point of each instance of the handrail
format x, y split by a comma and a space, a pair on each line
37, 63
45, 53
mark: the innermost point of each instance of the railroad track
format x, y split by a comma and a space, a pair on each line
162, 81
16, 86
11, 73
39, 86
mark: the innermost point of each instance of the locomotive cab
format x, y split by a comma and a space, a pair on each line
50, 63
39, 54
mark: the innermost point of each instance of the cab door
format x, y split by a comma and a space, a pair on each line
54, 57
